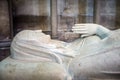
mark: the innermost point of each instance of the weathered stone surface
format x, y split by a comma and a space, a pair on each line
31, 14
4, 20
11, 69
100, 60
34, 54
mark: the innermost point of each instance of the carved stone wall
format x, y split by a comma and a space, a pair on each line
31, 14
4, 29
4, 20
71, 12
106, 13
117, 14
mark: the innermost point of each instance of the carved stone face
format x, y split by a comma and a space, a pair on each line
33, 35
33, 45
41, 37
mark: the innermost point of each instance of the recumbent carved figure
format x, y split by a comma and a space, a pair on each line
95, 55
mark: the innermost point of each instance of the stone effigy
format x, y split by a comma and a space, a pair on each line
99, 61
34, 55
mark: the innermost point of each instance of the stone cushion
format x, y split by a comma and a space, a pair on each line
11, 69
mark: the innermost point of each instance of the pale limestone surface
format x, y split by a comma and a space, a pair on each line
11, 69
34, 53
34, 56
98, 61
